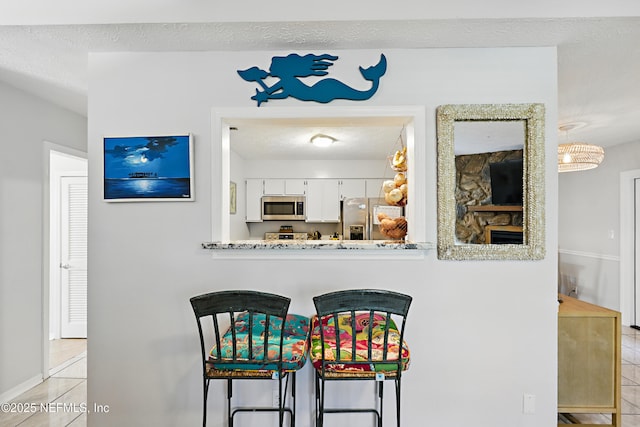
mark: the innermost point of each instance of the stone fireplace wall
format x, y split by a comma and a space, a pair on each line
473, 188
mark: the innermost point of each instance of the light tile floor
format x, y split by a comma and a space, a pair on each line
60, 400
61, 351
630, 383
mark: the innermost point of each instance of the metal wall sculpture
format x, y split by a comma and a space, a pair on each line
291, 69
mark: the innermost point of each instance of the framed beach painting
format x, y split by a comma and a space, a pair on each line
148, 168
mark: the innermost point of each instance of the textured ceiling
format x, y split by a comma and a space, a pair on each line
598, 58
363, 138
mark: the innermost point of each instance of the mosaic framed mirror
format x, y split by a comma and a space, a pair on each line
491, 181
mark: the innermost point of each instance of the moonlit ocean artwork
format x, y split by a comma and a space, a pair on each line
148, 168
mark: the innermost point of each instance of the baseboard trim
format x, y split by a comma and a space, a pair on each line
16, 391
605, 257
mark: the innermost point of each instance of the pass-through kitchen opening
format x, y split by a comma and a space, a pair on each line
287, 187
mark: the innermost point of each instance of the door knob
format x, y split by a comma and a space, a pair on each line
65, 266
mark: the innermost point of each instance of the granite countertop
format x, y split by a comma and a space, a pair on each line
318, 244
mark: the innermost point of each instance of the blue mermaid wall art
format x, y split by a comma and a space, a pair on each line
291, 69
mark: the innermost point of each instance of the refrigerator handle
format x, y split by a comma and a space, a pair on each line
367, 232
369, 220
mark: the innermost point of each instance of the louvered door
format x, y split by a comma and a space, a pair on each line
73, 252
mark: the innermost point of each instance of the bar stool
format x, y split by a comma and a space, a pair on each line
254, 338
355, 337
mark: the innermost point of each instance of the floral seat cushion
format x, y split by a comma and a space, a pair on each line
295, 344
362, 334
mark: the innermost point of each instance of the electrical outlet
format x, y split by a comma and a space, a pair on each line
275, 398
529, 404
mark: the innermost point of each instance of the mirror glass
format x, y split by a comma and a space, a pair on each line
490, 181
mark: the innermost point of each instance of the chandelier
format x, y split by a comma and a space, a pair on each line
578, 156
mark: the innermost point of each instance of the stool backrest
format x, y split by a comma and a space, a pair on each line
363, 308
225, 309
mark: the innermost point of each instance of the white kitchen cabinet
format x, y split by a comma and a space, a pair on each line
295, 187
254, 192
284, 187
374, 187
274, 187
323, 200
323, 196
350, 188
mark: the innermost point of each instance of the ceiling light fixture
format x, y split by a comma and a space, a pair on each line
322, 140
578, 156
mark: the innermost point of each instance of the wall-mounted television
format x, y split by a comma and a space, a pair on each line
506, 182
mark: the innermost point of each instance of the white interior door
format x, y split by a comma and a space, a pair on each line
73, 256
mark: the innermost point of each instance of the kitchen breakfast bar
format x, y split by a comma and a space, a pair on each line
318, 245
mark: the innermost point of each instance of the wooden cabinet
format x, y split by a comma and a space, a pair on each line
589, 360
323, 200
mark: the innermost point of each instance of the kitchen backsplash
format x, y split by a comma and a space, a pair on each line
257, 229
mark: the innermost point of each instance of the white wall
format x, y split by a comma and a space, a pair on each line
482, 333
25, 123
237, 226
589, 228
319, 169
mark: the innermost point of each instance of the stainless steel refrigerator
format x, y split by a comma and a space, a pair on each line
359, 218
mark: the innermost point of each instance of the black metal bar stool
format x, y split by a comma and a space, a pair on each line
250, 336
355, 337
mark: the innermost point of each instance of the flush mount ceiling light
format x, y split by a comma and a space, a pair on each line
578, 156
322, 140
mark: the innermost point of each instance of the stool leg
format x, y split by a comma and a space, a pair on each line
229, 395
322, 385
293, 397
381, 402
205, 393
280, 402
317, 393
398, 401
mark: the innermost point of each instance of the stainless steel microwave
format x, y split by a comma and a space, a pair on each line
283, 208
